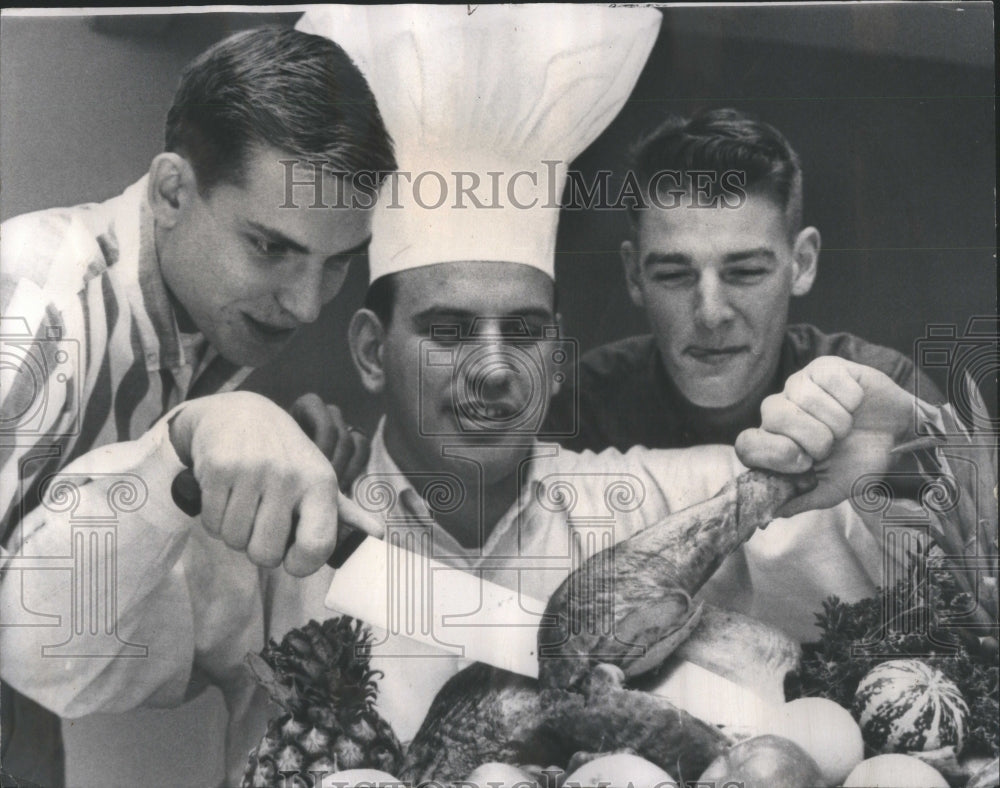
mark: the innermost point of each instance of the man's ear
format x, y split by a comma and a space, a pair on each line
171, 188
366, 336
805, 256
630, 262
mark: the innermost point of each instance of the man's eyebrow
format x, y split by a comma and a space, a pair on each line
361, 247
750, 254
665, 258
276, 236
444, 312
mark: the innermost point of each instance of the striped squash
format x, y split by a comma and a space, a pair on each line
905, 705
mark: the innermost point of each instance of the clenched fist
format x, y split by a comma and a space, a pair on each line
263, 482
835, 416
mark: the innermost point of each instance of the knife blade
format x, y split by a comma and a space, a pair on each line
411, 595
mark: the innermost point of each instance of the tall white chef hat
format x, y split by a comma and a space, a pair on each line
497, 100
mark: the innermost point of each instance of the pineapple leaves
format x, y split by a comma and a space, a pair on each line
281, 693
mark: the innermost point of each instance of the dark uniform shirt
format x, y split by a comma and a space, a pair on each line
626, 398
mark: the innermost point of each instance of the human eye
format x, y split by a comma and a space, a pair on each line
673, 275
535, 329
443, 333
443, 336
267, 247
746, 274
339, 261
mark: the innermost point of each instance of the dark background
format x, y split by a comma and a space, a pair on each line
890, 107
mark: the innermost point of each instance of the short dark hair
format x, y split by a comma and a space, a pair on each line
381, 298
720, 141
280, 87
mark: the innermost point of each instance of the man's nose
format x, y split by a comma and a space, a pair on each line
495, 369
302, 295
713, 308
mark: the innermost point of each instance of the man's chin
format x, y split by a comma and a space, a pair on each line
250, 354
471, 454
493, 438
716, 393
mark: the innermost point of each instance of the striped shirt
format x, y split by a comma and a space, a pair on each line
92, 353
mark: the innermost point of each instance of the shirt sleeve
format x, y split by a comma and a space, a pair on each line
44, 344
684, 477
643, 486
919, 383
100, 558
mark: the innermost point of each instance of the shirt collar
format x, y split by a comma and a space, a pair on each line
382, 468
407, 504
146, 291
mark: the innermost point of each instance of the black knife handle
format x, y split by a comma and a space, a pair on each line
186, 493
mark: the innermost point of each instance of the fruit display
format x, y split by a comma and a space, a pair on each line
894, 771
581, 701
320, 676
763, 762
826, 731
905, 705
917, 662
588, 696
578, 702
833, 668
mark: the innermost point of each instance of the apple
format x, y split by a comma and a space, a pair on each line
764, 762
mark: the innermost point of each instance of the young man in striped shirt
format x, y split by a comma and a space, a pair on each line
114, 313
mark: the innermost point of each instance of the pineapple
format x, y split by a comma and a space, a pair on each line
320, 676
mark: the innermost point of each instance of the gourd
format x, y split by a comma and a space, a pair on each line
905, 705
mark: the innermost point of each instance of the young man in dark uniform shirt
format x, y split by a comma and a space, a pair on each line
716, 253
